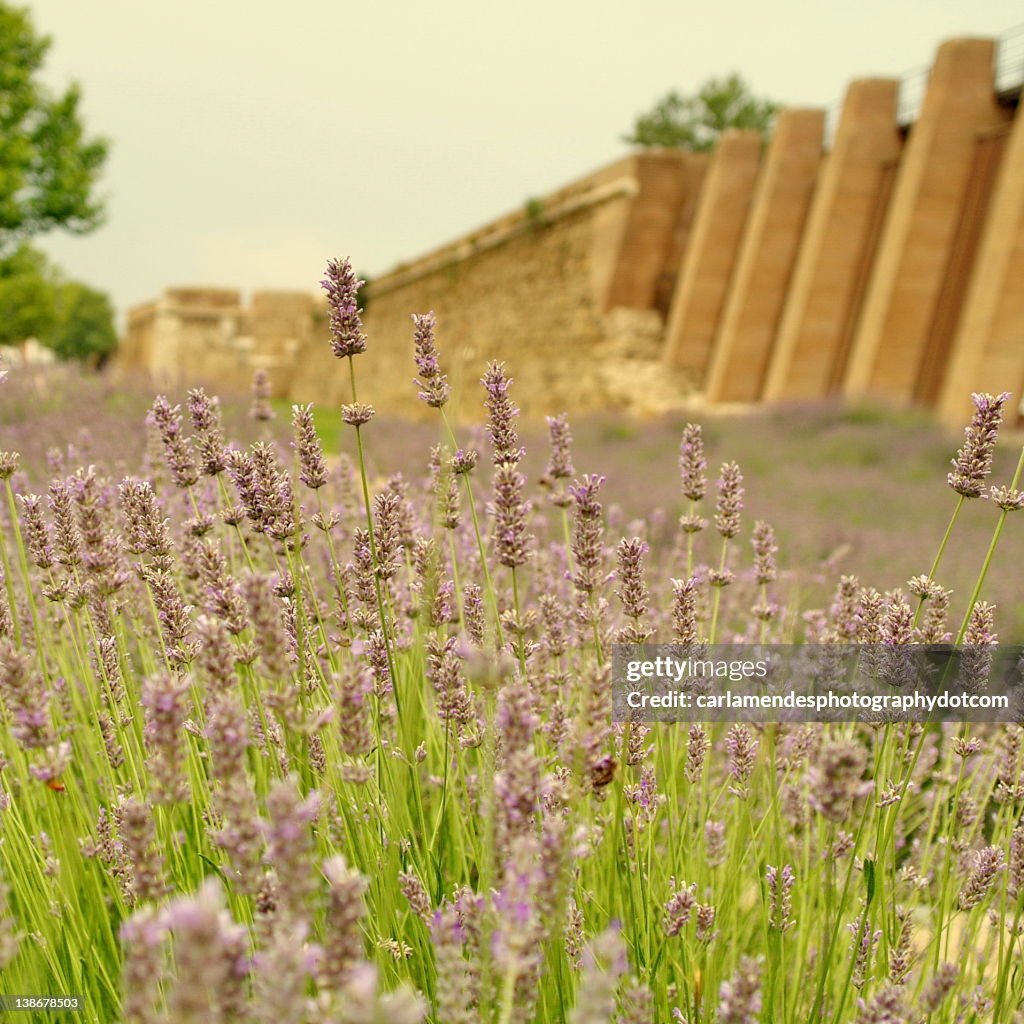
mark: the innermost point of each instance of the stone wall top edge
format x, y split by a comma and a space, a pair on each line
202, 295
552, 205
142, 311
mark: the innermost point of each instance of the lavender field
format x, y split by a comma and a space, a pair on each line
307, 715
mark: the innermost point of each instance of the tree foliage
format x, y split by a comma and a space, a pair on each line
48, 166
84, 324
36, 301
695, 122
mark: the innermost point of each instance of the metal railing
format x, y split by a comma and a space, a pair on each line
1007, 75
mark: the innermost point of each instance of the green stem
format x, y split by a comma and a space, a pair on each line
980, 582
479, 540
718, 592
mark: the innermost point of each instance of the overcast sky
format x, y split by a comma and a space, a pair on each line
253, 141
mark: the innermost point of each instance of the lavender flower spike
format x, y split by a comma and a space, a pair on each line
603, 963
740, 996
312, 465
501, 414
261, 409
973, 461
342, 288
730, 500
510, 513
433, 384
692, 464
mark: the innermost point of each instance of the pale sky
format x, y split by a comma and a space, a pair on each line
253, 141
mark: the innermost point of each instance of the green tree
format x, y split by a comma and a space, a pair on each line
36, 301
83, 325
695, 122
27, 296
48, 166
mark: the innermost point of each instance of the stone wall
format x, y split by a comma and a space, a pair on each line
202, 335
885, 265
563, 292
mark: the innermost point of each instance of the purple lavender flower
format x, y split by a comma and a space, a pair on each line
730, 501
357, 414
886, 1007
464, 461
136, 827
680, 906
164, 698
518, 782
145, 529
1009, 499
692, 464
501, 414
1009, 781
973, 462
260, 409
510, 512
985, 865
742, 750
240, 833
166, 419
684, 611
355, 737
205, 415
836, 778
705, 931
587, 544
901, 951
27, 700
433, 384
458, 981
898, 622
445, 487
361, 571
516, 943
473, 614
697, 747
387, 533
444, 673
765, 550
740, 996
869, 616
36, 532
67, 534
604, 962
142, 936
173, 614
865, 941
290, 847
343, 940
223, 596
342, 288
211, 958
276, 505
1015, 886
312, 465
939, 987
780, 903
559, 467
632, 590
